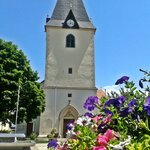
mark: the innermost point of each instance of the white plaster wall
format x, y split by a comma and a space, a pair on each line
57, 99
59, 58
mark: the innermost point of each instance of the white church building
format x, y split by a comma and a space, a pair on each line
70, 69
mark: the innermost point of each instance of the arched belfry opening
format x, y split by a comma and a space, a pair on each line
67, 115
70, 41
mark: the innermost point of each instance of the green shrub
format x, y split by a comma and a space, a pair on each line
33, 136
5, 131
53, 134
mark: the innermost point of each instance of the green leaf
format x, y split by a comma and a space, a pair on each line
15, 70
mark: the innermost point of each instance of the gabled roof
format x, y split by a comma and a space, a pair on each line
71, 16
63, 7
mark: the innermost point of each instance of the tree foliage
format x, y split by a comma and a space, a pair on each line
15, 71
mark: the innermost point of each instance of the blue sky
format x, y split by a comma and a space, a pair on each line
122, 39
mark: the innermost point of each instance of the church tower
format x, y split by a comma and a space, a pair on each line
70, 71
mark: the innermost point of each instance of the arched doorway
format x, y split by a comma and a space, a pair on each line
68, 115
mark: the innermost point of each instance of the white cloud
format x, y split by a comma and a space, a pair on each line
114, 88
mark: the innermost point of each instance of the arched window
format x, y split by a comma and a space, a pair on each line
70, 41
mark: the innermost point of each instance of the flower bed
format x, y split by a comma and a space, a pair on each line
122, 122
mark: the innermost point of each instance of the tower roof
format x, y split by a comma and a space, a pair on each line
63, 7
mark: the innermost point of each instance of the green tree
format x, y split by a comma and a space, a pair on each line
15, 71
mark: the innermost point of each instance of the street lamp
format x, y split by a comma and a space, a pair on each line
17, 111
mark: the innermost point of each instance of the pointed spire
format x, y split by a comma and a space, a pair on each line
63, 7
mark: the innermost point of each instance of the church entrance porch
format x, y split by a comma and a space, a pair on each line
68, 115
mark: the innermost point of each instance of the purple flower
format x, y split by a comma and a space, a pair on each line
109, 102
132, 103
146, 106
69, 126
90, 103
116, 102
107, 111
101, 128
52, 144
88, 114
119, 101
122, 80
125, 112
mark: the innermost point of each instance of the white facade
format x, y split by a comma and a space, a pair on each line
66, 91
59, 58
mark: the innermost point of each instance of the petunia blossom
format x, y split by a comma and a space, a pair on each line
84, 120
70, 133
101, 128
99, 148
88, 114
52, 144
107, 111
69, 126
102, 140
146, 106
110, 134
90, 103
119, 101
132, 103
125, 111
121, 145
107, 119
97, 118
63, 147
122, 80
109, 102
116, 102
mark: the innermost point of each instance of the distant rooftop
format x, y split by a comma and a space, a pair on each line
101, 93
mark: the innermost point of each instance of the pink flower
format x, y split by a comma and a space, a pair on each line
102, 140
110, 134
63, 147
97, 118
99, 148
107, 119
78, 132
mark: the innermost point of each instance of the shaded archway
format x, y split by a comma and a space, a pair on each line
67, 115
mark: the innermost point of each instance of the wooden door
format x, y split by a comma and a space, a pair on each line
29, 128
